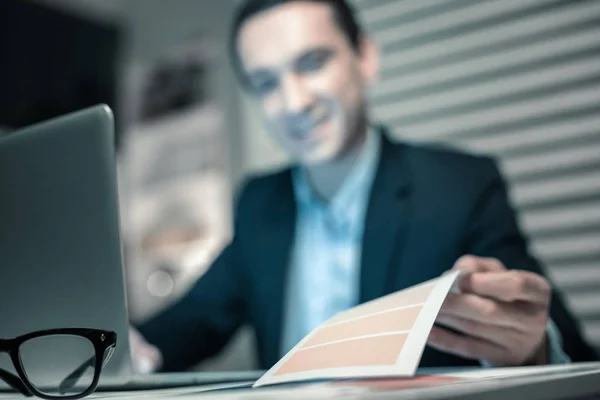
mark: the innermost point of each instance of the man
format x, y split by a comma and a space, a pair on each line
358, 217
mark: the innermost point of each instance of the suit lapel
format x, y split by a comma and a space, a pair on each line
279, 236
387, 221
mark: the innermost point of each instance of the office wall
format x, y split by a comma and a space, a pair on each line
154, 27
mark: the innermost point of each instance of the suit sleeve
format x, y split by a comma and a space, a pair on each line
200, 323
493, 231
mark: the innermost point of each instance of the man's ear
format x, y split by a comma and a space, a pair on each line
369, 60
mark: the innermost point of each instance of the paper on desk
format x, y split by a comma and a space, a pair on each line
381, 338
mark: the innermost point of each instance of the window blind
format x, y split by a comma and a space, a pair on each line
519, 80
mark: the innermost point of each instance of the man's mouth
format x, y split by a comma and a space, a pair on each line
301, 129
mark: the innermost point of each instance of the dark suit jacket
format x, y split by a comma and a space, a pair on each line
427, 208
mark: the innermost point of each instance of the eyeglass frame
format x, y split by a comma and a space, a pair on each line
102, 340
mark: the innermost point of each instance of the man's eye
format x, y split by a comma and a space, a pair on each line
263, 86
313, 61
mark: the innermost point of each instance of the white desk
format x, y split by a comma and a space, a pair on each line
575, 382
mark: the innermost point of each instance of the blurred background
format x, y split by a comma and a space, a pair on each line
518, 79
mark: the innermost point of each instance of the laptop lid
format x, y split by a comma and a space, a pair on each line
60, 246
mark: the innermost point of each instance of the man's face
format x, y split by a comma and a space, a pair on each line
307, 77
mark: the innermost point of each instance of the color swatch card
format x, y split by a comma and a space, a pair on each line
381, 338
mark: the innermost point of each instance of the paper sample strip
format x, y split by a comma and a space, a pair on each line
382, 338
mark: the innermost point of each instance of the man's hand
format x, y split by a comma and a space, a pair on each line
145, 357
500, 315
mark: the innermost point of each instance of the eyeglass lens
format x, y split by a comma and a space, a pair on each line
49, 360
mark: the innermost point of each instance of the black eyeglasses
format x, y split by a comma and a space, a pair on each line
41, 359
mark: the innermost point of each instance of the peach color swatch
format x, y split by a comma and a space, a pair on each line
381, 338
371, 351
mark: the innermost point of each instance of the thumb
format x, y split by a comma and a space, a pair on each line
145, 357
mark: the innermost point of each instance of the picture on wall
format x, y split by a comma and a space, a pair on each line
175, 168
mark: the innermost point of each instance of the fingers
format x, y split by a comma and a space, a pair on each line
147, 361
490, 278
478, 264
146, 358
476, 308
500, 313
464, 346
474, 264
508, 286
486, 332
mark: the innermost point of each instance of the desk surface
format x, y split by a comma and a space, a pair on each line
575, 382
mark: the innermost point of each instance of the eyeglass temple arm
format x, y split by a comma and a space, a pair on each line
15, 382
74, 376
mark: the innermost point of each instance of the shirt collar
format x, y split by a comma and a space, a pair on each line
357, 183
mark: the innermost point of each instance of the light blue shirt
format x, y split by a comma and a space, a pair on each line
324, 276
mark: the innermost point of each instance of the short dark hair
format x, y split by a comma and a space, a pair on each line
343, 14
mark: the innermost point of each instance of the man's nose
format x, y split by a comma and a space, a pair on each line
296, 95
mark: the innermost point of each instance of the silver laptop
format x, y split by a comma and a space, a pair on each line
61, 262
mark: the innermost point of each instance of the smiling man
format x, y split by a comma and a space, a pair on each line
358, 216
